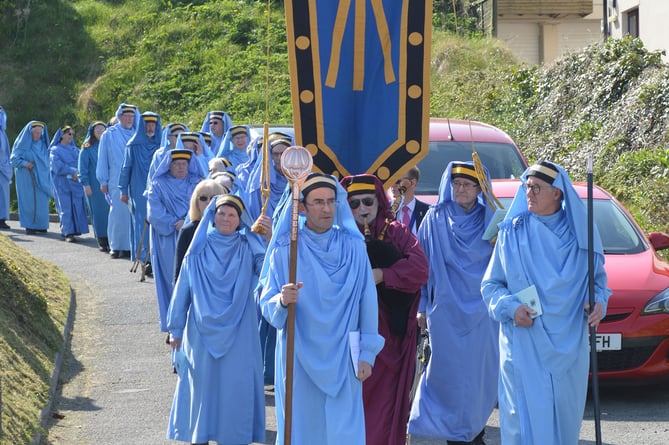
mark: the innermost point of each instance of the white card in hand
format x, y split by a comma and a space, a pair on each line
529, 297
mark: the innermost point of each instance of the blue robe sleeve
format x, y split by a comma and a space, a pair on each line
124, 176
180, 302
102, 169
84, 173
270, 299
371, 342
58, 166
160, 219
501, 303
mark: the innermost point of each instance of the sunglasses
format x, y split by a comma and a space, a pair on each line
204, 198
355, 203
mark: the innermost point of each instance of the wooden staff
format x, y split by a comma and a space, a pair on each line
296, 163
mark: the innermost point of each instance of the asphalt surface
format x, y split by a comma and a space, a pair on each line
116, 382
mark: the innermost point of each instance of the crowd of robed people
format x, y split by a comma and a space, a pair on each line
373, 273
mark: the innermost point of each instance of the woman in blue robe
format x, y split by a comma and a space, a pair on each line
30, 159
5, 171
68, 191
168, 203
212, 321
234, 145
458, 390
97, 204
544, 358
338, 300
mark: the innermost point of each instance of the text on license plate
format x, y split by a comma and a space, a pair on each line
609, 342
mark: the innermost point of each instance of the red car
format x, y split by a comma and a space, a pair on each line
633, 339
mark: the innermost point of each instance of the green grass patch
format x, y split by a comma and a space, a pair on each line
33, 310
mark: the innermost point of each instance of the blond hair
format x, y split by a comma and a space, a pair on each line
205, 187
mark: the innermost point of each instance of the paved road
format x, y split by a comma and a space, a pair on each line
117, 382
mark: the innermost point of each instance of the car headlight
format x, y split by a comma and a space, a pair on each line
658, 305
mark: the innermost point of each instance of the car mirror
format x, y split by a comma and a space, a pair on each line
659, 240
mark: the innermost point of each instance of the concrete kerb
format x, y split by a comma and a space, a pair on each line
55, 375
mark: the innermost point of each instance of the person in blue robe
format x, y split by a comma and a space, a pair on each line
30, 159
216, 123
458, 390
132, 179
168, 203
5, 171
194, 141
169, 141
68, 191
110, 160
234, 145
278, 143
337, 302
212, 323
97, 204
541, 259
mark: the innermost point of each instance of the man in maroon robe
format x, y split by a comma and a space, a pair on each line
400, 269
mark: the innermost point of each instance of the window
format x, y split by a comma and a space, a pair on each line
632, 22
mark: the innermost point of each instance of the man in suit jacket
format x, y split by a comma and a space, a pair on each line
415, 210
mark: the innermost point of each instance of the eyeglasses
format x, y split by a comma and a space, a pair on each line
204, 198
534, 188
321, 203
213, 122
465, 185
355, 203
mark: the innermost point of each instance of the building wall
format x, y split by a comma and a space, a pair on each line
653, 15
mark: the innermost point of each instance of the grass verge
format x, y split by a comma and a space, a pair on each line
34, 303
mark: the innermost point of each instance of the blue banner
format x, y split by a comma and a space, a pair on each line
360, 83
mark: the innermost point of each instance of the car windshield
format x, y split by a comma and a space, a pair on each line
617, 232
502, 161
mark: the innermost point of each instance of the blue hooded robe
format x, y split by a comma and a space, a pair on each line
458, 390
338, 297
68, 192
165, 147
5, 167
216, 141
132, 180
33, 187
168, 202
97, 204
544, 368
219, 394
227, 150
110, 161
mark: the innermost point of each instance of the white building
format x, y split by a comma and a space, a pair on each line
539, 31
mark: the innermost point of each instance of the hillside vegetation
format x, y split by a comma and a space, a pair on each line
75, 61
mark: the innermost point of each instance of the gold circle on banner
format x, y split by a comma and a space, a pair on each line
307, 96
302, 42
313, 149
415, 38
383, 173
415, 91
336, 174
413, 146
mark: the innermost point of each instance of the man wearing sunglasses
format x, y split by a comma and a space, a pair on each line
400, 269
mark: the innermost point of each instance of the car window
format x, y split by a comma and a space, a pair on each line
501, 160
618, 234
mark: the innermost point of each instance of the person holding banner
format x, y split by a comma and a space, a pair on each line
400, 269
536, 287
458, 390
336, 316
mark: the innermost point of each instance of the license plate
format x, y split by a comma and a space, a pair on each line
609, 342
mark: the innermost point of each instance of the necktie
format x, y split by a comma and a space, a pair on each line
406, 215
